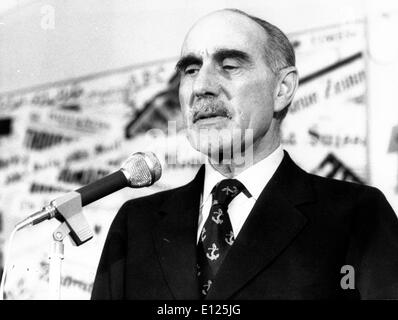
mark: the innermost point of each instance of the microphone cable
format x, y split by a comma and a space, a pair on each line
6, 262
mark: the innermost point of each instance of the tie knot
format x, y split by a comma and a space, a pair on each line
226, 190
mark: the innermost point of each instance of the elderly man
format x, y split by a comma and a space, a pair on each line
258, 229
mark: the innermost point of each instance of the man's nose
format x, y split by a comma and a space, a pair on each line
206, 82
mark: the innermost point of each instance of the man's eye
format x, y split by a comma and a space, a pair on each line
229, 67
191, 69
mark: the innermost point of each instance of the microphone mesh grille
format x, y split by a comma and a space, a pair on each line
143, 169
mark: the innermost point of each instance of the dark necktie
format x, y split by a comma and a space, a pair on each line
217, 235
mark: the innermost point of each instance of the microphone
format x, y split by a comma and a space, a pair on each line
139, 170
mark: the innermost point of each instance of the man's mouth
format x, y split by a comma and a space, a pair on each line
204, 115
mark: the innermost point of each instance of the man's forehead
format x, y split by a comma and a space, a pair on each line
223, 29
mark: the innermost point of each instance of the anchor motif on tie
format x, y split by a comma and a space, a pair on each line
228, 190
206, 287
230, 238
216, 216
212, 256
203, 234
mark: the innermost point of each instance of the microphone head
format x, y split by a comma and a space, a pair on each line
142, 169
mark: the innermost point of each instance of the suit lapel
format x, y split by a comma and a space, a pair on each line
175, 239
270, 227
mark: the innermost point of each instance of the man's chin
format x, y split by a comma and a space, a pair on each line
212, 123
211, 141
223, 153
224, 146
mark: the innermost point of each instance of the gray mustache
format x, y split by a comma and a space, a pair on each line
206, 108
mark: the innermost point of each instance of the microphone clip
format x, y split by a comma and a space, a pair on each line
68, 210
70, 213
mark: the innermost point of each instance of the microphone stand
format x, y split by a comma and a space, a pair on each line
74, 225
56, 258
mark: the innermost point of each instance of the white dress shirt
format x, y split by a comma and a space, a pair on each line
255, 178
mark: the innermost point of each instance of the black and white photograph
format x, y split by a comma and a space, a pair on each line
198, 151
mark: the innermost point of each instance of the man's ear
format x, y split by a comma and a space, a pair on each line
286, 88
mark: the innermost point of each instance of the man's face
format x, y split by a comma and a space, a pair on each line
226, 85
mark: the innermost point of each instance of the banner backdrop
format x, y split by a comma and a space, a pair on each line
59, 137
325, 130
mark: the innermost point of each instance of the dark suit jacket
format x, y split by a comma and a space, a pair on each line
302, 230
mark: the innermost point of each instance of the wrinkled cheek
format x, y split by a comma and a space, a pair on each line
240, 118
257, 106
185, 110
187, 118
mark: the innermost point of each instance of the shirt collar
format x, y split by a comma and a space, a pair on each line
249, 177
